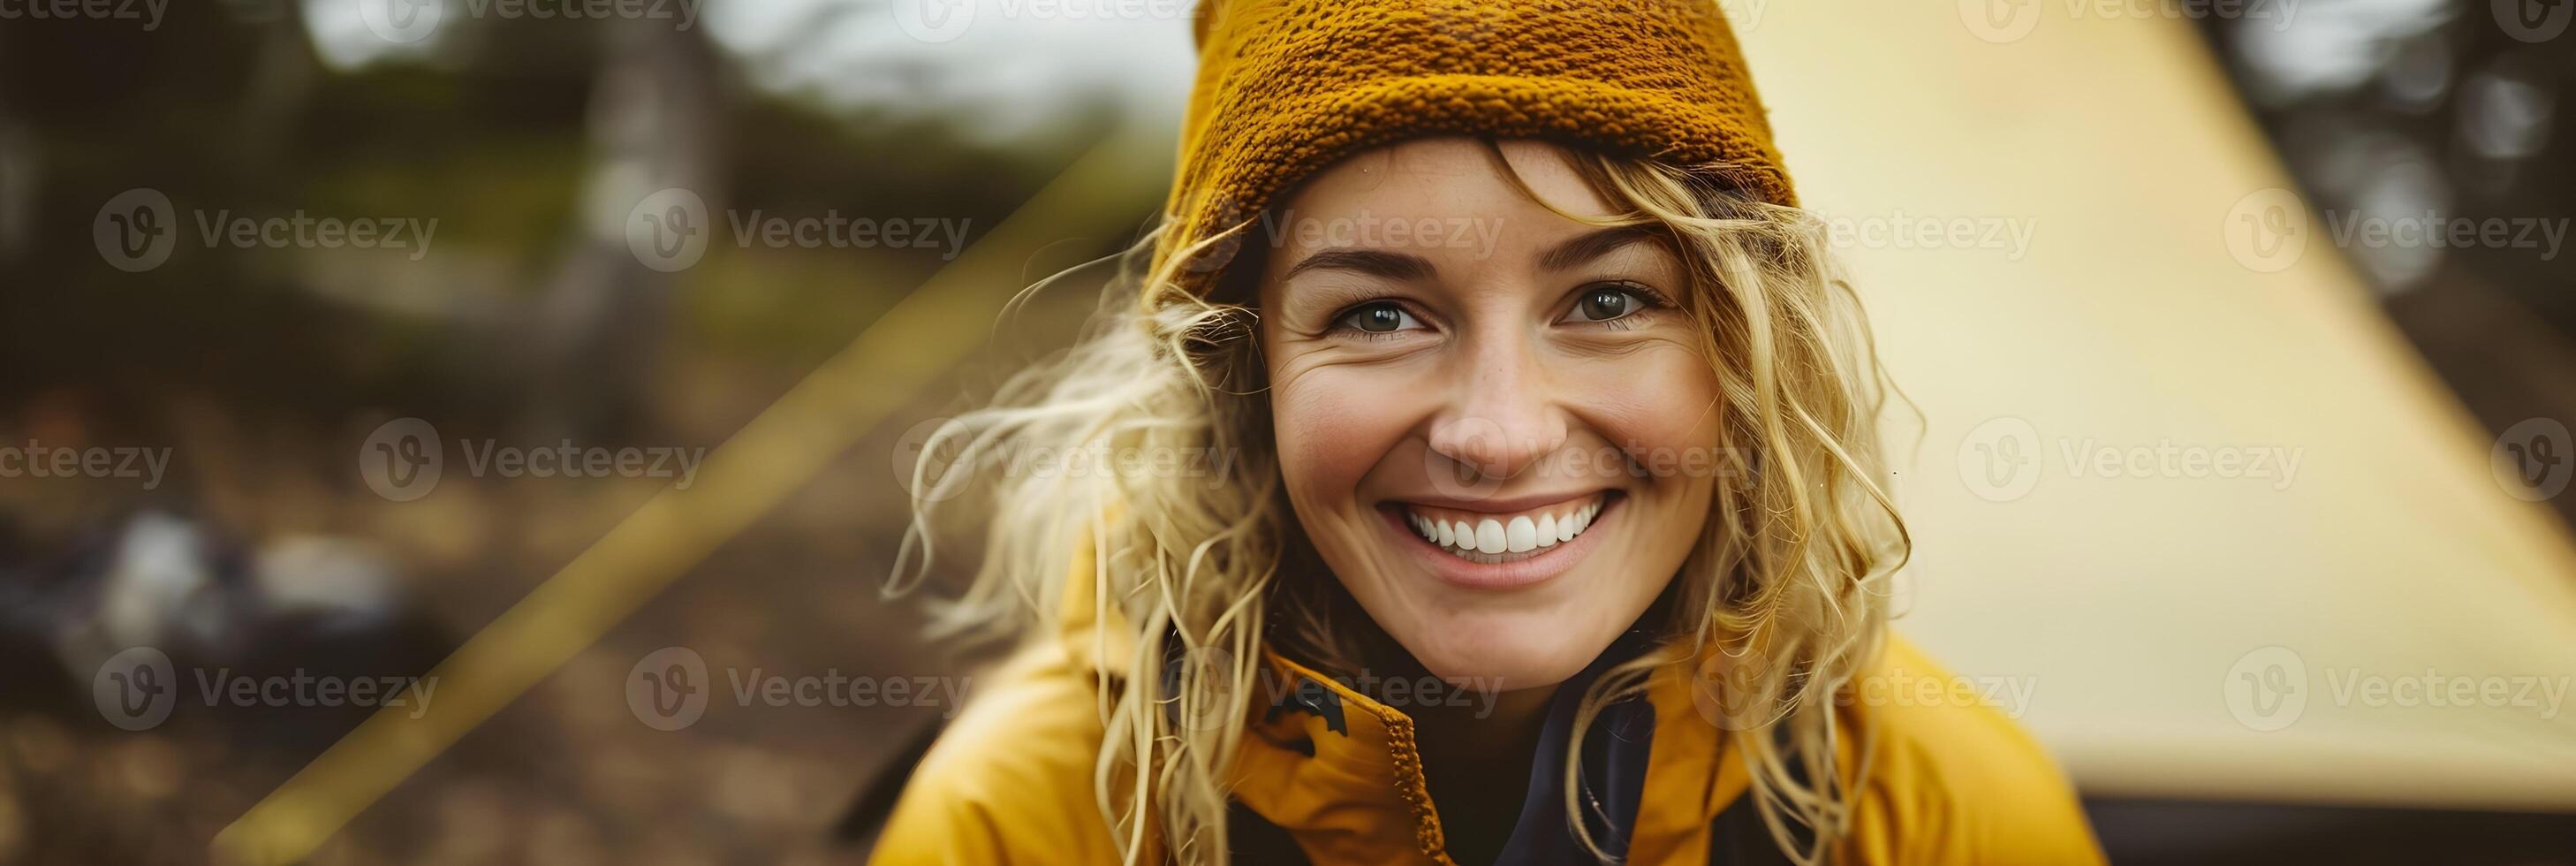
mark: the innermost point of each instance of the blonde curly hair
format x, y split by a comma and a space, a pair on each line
1789, 571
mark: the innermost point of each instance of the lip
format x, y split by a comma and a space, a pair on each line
1503, 505
1466, 574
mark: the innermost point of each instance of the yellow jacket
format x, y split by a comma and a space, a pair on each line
1952, 780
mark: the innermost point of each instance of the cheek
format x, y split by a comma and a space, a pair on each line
1657, 404
1333, 426
1660, 409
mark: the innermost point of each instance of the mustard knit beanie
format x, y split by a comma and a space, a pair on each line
1287, 87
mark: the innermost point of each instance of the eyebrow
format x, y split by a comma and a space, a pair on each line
1591, 245
1571, 253
1377, 263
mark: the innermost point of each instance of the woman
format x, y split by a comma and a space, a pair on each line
1479, 468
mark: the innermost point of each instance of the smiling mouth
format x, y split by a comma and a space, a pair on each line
1493, 538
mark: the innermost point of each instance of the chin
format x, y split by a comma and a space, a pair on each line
1509, 650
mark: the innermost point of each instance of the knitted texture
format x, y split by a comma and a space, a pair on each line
1287, 87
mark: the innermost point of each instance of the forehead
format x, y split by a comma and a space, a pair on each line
1453, 178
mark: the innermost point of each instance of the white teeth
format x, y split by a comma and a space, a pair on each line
1495, 536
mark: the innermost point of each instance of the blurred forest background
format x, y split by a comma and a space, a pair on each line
2395, 109
529, 320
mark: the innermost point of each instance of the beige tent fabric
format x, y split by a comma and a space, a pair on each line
2096, 299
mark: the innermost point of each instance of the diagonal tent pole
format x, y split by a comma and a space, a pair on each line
929, 331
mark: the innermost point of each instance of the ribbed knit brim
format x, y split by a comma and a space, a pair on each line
1287, 87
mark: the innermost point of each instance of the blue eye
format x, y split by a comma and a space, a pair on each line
1378, 317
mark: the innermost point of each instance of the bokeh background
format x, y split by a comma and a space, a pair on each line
2080, 226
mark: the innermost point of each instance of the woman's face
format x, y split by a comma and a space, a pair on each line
1494, 422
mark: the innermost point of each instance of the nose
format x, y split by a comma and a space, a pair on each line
1503, 416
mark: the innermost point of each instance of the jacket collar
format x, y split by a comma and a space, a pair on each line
1341, 772
1357, 794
